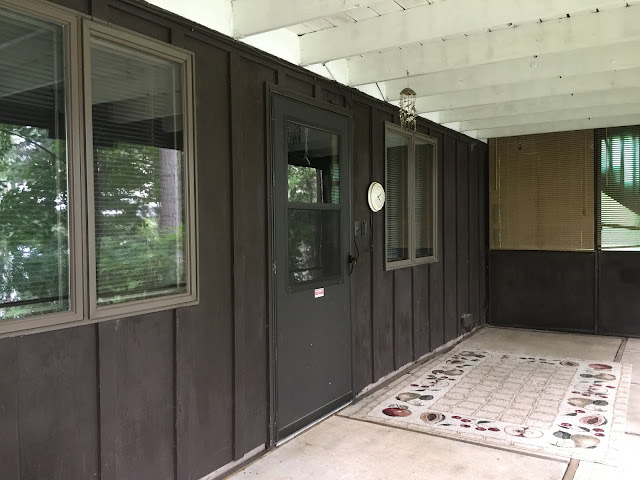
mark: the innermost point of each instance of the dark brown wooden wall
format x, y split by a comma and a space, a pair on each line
178, 394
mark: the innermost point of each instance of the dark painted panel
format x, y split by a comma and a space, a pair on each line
128, 16
543, 290
619, 301
483, 186
58, 403
421, 334
403, 317
204, 367
137, 397
361, 280
436, 270
333, 98
474, 233
9, 464
462, 234
300, 86
382, 301
450, 240
79, 5
249, 160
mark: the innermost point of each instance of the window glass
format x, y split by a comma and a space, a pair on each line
397, 196
313, 174
313, 195
34, 227
620, 188
314, 245
424, 199
139, 174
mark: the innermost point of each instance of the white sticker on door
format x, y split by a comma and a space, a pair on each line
319, 292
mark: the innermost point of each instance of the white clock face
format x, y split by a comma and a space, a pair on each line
376, 197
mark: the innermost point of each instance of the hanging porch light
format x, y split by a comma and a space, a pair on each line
408, 113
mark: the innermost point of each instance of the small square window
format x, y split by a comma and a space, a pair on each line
411, 198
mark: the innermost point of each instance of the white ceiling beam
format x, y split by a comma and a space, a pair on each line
559, 126
585, 113
282, 43
540, 105
214, 14
582, 31
435, 21
257, 16
575, 62
531, 89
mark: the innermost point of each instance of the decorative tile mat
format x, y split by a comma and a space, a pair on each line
549, 406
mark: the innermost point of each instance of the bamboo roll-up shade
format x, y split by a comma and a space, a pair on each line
541, 192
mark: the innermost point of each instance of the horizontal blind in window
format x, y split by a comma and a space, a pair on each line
541, 192
424, 199
618, 151
138, 174
34, 227
397, 195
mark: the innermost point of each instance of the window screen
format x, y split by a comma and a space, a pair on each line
618, 150
541, 192
139, 174
34, 227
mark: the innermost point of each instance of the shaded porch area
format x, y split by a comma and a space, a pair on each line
347, 448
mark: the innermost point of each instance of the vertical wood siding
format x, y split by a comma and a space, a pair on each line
176, 395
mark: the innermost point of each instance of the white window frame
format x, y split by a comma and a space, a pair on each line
83, 308
412, 260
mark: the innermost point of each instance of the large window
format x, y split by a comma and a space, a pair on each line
619, 152
34, 201
127, 244
411, 207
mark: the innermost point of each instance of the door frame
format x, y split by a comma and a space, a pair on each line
272, 90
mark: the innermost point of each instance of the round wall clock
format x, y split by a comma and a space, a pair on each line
376, 197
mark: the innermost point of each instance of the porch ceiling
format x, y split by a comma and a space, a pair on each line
488, 68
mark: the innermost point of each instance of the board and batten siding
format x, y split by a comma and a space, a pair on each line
178, 394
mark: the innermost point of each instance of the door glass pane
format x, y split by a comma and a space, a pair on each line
313, 172
397, 193
313, 193
139, 174
34, 228
314, 245
424, 199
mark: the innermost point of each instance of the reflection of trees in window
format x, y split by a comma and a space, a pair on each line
313, 195
139, 194
34, 251
138, 221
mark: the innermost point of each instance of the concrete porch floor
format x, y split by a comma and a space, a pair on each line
347, 449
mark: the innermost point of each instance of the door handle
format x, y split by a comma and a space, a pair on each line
352, 263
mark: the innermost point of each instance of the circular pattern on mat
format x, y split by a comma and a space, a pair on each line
569, 363
432, 417
593, 420
397, 411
